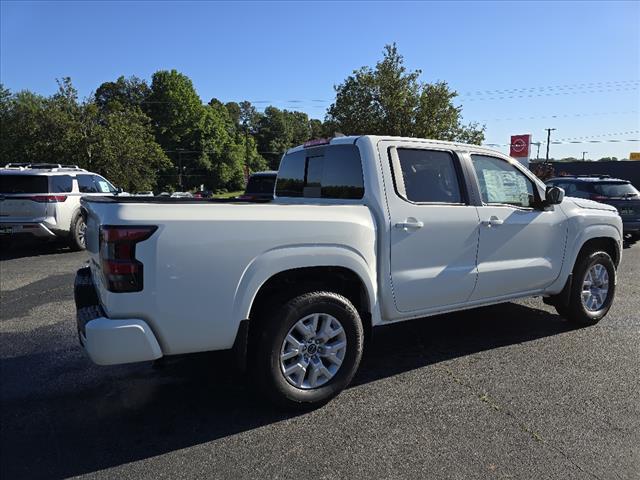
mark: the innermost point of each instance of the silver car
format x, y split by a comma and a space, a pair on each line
43, 200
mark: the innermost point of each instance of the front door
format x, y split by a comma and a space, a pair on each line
521, 247
434, 230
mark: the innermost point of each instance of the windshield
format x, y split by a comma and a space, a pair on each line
616, 189
23, 184
261, 184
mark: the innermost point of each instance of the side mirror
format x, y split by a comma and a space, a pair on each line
554, 195
119, 190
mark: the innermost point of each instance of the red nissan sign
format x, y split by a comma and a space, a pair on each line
520, 146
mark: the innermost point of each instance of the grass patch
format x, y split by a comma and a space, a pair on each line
228, 194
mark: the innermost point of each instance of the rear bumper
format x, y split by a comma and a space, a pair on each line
33, 229
109, 341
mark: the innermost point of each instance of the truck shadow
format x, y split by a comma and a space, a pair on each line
26, 247
111, 417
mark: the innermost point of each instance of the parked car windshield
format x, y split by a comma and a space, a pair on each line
616, 189
23, 184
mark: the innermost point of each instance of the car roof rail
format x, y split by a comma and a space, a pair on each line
44, 166
16, 165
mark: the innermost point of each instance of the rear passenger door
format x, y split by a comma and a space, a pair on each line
434, 228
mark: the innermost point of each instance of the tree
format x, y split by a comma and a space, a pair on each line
39, 129
123, 93
278, 130
124, 149
388, 100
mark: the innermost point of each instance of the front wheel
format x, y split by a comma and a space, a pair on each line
592, 290
308, 350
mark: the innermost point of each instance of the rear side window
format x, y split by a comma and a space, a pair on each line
60, 184
334, 171
426, 176
23, 184
86, 184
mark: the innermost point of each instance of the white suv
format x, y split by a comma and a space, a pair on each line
43, 200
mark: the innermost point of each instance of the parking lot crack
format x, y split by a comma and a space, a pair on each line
522, 424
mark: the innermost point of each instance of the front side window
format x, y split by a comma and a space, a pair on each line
334, 171
102, 185
427, 176
86, 184
502, 183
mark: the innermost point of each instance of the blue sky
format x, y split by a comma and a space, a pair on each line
292, 53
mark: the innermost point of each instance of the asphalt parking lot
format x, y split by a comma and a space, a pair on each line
510, 391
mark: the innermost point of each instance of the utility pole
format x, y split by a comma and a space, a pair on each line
583, 155
549, 130
180, 150
537, 144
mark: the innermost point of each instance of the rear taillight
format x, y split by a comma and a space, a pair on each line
48, 198
120, 269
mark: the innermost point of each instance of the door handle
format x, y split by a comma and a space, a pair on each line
410, 223
493, 221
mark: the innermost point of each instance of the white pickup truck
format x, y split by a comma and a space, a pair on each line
364, 231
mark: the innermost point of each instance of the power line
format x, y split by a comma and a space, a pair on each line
556, 94
561, 142
560, 115
611, 83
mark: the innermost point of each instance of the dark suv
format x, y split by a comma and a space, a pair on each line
260, 187
613, 191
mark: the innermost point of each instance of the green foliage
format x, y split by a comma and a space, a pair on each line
388, 100
118, 144
123, 93
278, 130
161, 135
124, 150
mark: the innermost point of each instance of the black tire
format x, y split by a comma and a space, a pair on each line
274, 326
76, 236
576, 312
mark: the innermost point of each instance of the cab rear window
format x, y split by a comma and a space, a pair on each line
10, 184
334, 171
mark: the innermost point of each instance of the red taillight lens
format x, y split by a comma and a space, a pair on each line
120, 269
48, 198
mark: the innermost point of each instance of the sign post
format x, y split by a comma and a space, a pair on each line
520, 148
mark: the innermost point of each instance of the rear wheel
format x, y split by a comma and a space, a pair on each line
308, 350
77, 235
592, 290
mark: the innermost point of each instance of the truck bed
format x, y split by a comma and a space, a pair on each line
207, 258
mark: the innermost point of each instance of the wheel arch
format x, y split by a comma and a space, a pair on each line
335, 268
604, 236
